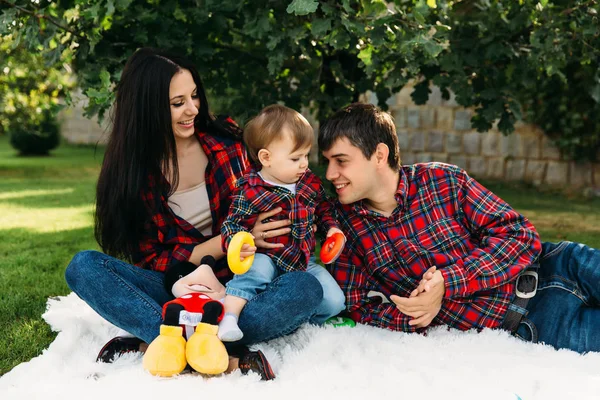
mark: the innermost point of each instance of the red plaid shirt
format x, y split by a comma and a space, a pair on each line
308, 206
443, 218
170, 239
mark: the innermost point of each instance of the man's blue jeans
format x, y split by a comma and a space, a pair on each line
565, 312
131, 298
264, 271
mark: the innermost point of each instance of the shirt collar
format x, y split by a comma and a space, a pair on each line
254, 179
401, 196
209, 143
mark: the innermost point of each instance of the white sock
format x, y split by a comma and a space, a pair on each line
229, 331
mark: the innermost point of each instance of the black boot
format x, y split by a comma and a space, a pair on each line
118, 346
256, 361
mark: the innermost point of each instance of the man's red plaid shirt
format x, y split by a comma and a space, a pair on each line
308, 206
443, 218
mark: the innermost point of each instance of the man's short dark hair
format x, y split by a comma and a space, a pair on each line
365, 126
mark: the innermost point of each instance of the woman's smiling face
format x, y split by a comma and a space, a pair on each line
185, 103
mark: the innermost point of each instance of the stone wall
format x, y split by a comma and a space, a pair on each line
77, 129
437, 131
441, 131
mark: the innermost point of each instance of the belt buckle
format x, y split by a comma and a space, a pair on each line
527, 295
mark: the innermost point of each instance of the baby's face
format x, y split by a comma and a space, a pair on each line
286, 165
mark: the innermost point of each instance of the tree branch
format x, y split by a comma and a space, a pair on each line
571, 9
42, 16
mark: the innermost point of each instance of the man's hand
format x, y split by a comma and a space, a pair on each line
425, 284
425, 301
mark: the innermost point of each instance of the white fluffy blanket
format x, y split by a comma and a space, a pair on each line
314, 363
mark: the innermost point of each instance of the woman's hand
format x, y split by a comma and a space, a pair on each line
262, 231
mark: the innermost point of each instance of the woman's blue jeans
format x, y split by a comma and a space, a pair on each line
132, 298
565, 312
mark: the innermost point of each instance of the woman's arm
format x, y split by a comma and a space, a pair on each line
211, 247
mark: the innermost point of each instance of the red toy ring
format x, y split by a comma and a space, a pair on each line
332, 248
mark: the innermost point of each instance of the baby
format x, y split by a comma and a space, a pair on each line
279, 140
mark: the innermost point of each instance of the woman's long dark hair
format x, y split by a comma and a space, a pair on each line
141, 148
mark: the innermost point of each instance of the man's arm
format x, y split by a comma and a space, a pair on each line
508, 242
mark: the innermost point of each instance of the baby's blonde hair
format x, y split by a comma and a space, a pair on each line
267, 127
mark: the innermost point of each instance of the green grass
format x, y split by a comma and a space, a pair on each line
46, 206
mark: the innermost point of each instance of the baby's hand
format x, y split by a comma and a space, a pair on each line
331, 231
247, 251
333, 246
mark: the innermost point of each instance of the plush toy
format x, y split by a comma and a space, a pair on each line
196, 309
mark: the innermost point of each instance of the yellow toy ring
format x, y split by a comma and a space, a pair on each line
233, 253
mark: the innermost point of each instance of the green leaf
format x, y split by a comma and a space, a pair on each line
105, 78
71, 15
6, 19
339, 39
365, 55
274, 41
302, 7
123, 4
507, 123
328, 9
320, 27
110, 7
489, 94
432, 48
375, 7
420, 94
179, 15
275, 63
418, 16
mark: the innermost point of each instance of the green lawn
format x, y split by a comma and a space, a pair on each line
46, 206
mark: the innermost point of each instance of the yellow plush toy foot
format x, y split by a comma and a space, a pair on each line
166, 354
205, 352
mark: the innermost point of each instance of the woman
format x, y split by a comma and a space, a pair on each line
165, 144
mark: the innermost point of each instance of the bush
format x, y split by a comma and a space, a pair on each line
35, 137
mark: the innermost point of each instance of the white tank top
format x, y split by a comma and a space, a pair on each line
192, 205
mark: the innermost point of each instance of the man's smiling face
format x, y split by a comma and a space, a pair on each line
350, 171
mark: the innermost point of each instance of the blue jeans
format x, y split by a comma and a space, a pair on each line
131, 298
264, 270
565, 312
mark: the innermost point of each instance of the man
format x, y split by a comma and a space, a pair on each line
444, 249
